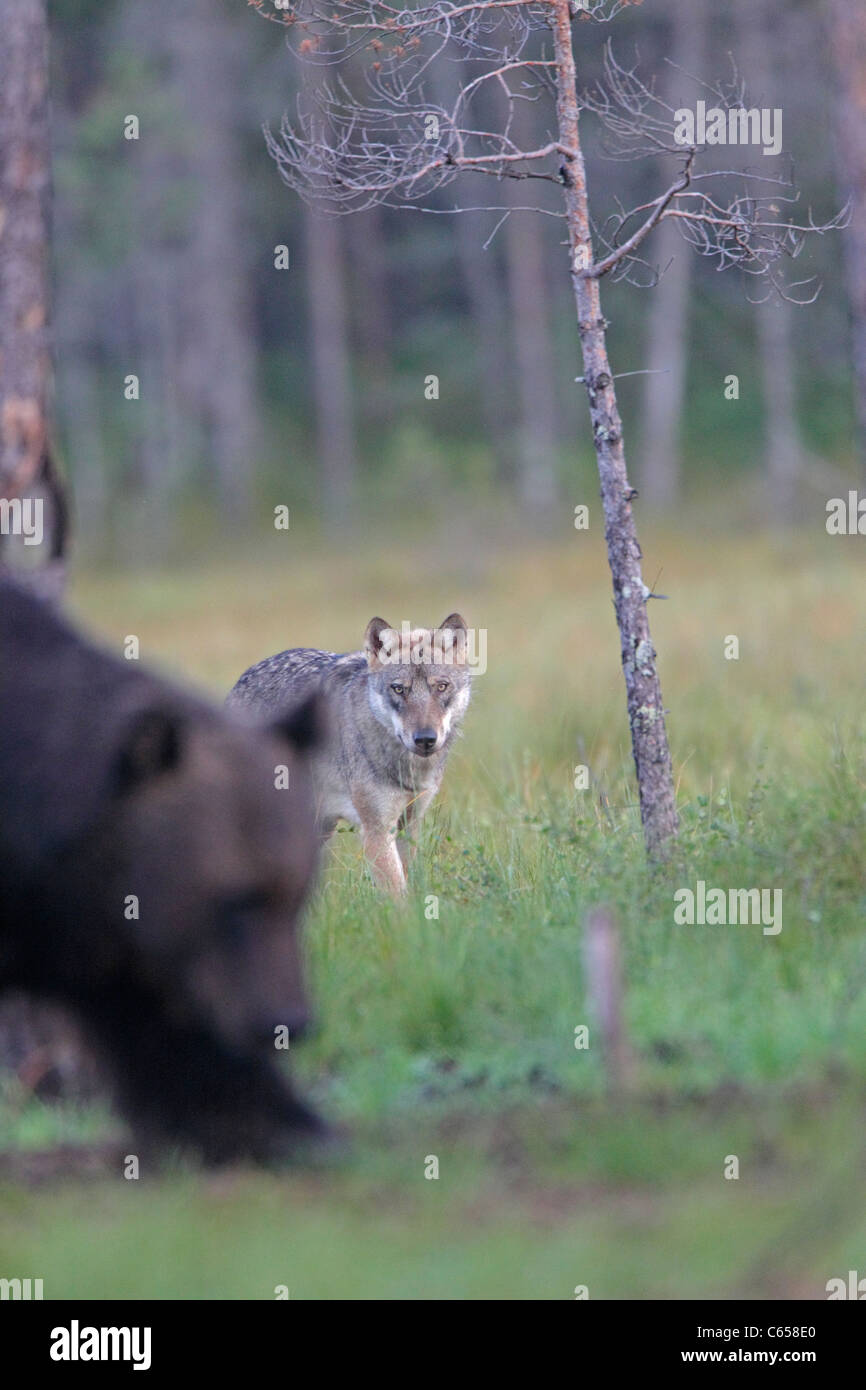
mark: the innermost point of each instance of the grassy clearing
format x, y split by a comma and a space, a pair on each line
455, 1036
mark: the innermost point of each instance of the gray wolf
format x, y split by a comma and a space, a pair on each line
151, 879
394, 710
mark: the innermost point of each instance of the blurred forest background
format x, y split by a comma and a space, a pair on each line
305, 386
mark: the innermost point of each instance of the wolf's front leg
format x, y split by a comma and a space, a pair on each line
383, 857
407, 848
407, 842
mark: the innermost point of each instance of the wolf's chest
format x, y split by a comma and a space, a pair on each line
333, 804
372, 803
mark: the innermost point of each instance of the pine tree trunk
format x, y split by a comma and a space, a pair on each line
782, 446
644, 697
667, 355
783, 458
331, 363
24, 190
482, 274
368, 262
849, 44
665, 388
163, 434
534, 353
205, 48
478, 268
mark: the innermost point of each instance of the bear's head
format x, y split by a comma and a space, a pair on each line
208, 851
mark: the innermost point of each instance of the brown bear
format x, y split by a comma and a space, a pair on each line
154, 860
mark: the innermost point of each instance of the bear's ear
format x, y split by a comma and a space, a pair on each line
151, 746
373, 641
305, 726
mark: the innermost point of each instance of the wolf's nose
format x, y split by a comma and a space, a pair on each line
425, 740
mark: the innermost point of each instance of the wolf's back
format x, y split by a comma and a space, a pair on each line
280, 681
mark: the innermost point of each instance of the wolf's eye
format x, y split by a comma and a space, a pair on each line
397, 688
442, 686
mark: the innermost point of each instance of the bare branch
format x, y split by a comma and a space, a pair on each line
659, 206
391, 144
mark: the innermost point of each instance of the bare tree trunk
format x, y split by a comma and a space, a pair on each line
849, 44
192, 340
667, 356
331, 368
782, 445
162, 422
25, 177
644, 697
490, 331
534, 355
204, 44
26, 464
26, 461
486, 308
162, 427
372, 320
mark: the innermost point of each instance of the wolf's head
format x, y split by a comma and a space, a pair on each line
420, 681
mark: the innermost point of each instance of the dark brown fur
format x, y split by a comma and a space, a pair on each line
112, 784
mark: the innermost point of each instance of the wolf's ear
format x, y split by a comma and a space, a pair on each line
455, 622
304, 726
455, 642
373, 641
152, 745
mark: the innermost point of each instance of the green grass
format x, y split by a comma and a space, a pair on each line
454, 1036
